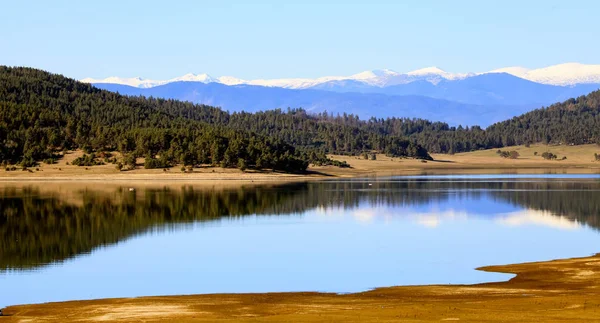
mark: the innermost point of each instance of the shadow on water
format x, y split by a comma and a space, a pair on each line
38, 228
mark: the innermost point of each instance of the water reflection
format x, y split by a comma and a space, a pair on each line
38, 226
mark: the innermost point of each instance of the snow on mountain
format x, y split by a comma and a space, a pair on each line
517, 71
562, 74
230, 80
145, 83
133, 81
190, 77
378, 78
565, 74
294, 83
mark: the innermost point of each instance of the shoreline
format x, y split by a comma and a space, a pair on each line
321, 174
565, 290
579, 161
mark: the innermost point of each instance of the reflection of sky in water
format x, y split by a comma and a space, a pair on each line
324, 249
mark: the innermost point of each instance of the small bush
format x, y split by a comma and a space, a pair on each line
509, 154
549, 156
152, 163
242, 164
87, 160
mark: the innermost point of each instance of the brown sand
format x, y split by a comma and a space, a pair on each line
554, 291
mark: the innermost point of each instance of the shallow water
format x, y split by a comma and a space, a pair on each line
334, 236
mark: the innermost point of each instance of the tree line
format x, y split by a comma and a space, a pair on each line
42, 114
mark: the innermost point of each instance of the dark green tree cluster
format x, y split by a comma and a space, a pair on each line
87, 160
42, 114
549, 156
513, 154
342, 134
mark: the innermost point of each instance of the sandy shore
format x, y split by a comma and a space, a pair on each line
555, 291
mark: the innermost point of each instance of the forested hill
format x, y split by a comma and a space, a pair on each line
42, 114
575, 121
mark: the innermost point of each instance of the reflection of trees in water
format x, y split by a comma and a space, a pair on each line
37, 229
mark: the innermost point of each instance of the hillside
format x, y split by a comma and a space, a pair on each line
43, 114
573, 122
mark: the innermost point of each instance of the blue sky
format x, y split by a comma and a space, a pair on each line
272, 39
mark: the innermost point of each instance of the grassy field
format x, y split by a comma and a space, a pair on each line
554, 291
580, 159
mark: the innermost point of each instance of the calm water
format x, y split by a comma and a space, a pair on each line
63, 243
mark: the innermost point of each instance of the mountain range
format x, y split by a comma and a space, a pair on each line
561, 74
430, 93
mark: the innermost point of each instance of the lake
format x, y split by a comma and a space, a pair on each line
74, 241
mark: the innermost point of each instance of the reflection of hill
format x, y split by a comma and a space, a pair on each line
37, 229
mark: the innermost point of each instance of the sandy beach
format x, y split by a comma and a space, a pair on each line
554, 291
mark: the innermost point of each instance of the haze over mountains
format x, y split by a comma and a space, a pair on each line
431, 93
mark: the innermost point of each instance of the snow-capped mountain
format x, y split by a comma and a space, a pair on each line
376, 78
562, 74
133, 81
142, 83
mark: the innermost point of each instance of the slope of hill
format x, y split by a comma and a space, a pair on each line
42, 114
572, 122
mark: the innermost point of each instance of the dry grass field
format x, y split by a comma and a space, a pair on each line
580, 159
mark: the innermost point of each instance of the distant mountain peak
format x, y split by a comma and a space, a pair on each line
433, 70
191, 77
513, 70
373, 73
560, 74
